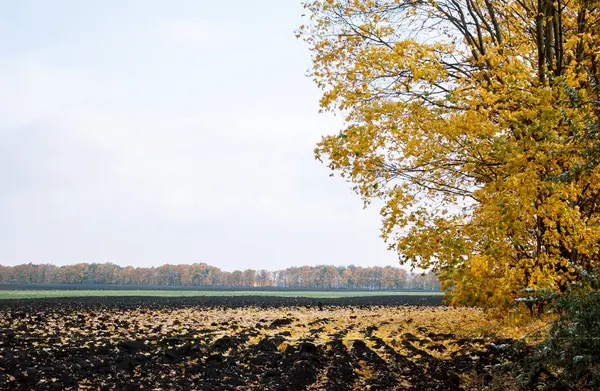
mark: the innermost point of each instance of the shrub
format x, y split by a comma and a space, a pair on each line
570, 357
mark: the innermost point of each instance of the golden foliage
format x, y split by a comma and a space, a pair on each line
477, 122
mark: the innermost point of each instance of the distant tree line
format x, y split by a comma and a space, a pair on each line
201, 274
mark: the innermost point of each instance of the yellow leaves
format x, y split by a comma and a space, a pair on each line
484, 172
282, 347
253, 340
363, 372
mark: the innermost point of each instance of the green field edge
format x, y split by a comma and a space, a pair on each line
41, 294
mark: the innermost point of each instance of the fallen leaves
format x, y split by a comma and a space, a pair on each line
219, 347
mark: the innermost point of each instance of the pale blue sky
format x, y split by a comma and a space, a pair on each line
150, 132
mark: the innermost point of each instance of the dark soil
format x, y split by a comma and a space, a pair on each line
217, 301
135, 343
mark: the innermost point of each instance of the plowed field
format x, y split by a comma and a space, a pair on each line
246, 343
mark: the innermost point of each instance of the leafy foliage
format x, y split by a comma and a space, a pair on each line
570, 357
477, 122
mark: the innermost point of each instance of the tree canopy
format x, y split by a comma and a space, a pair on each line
201, 274
477, 122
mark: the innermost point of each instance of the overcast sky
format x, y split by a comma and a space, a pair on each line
149, 132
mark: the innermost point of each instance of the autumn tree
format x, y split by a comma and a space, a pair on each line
237, 278
204, 275
477, 122
264, 278
248, 278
